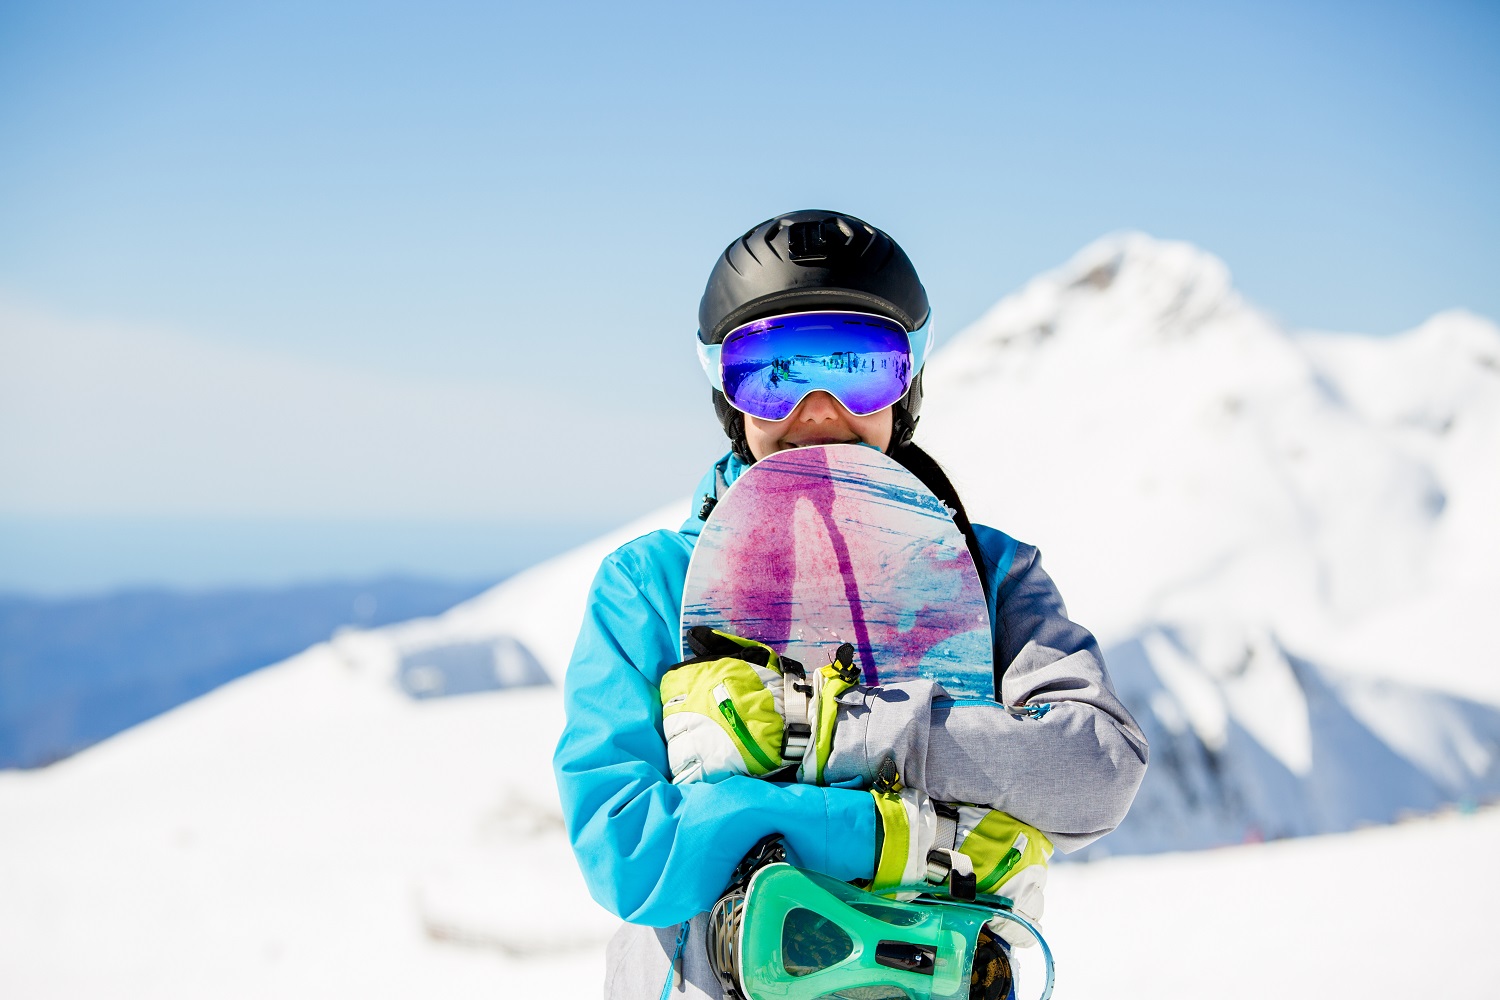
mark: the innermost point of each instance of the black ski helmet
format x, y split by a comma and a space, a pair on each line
810, 260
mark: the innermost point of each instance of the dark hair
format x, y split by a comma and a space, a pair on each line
926, 468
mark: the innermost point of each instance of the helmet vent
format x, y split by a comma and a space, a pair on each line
772, 230
808, 242
745, 242
729, 259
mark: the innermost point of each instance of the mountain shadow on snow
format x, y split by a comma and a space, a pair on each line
1274, 746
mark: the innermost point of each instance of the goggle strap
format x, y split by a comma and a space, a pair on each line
708, 358
921, 344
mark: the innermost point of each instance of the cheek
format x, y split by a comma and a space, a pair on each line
877, 427
764, 430
762, 435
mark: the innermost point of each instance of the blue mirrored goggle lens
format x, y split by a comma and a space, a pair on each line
769, 365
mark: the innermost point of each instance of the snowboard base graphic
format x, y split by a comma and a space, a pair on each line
814, 547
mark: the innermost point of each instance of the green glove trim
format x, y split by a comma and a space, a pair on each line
895, 840
828, 716
740, 730
1001, 844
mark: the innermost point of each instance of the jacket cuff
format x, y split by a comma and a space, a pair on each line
874, 723
850, 835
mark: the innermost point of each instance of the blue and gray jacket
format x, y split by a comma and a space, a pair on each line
657, 854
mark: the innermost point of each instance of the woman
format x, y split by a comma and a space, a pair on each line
1062, 770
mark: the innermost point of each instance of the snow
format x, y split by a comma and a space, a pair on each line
1285, 541
1398, 911
303, 832
298, 832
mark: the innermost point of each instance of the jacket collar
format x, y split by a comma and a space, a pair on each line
713, 484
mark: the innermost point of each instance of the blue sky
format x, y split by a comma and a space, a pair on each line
514, 208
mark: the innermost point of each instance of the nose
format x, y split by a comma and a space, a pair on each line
820, 407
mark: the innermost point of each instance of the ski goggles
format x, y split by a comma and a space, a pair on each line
768, 366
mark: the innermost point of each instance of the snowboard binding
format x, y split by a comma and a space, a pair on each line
786, 933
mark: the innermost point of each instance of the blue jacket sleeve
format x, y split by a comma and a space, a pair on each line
653, 852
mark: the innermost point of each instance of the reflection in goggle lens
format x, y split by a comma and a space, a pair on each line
769, 365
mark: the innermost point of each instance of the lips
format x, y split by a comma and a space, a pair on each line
814, 442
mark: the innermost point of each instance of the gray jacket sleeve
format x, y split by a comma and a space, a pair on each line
1072, 772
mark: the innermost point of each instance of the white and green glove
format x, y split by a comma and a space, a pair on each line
738, 708
967, 848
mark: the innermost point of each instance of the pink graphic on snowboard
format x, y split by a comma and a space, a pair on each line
815, 547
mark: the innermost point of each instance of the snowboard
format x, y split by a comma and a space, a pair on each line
814, 547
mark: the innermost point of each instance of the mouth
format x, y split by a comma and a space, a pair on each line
815, 441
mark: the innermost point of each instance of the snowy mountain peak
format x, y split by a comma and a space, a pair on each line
1128, 287
1179, 283
1175, 451
1475, 336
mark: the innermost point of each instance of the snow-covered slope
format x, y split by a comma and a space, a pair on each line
1434, 394
1251, 742
540, 609
303, 832
1315, 917
1286, 543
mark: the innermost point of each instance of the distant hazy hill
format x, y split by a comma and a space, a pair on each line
73, 671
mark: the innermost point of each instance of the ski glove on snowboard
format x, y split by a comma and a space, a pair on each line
736, 707
920, 840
